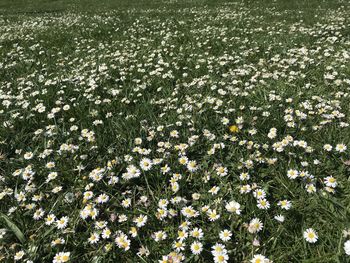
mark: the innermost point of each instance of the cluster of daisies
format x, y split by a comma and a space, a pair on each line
203, 134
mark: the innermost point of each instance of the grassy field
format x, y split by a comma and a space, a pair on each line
174, 131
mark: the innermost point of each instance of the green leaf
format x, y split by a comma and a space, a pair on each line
12, 226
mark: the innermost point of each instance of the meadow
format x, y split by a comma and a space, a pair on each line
175, 131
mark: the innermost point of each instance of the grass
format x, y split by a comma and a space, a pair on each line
90, 86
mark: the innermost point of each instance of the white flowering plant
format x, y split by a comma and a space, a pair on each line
174, 131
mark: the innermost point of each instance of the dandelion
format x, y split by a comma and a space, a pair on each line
233, 129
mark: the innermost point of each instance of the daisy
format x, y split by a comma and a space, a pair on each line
146, 164
94, 238
163, 203
19, 255
244, 189
106, 233
123, 241
197, 233
133, 231
61, 257
214, 190
188, 211
222, 258
310, 188
347, 247
259, 259
88, 195
255, 225
196, 248
213, 215
218, 249
292, 174
330, 181
62, 223
225, 235
259, 194
100, 224
165, 169
102, 198
28, 155
310, 235
263, 204
340, 147
38, 214
233, 207
174, 134
159, 235
183, 160
57, 241
126, 203
225, 121
279, 218
327, 147
51, 176
138, 141
244, 176
179, 245
192, 166
181, 235
285, 204
221, 171
50, 165
140, 221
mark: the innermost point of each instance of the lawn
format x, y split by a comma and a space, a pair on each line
175, 131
